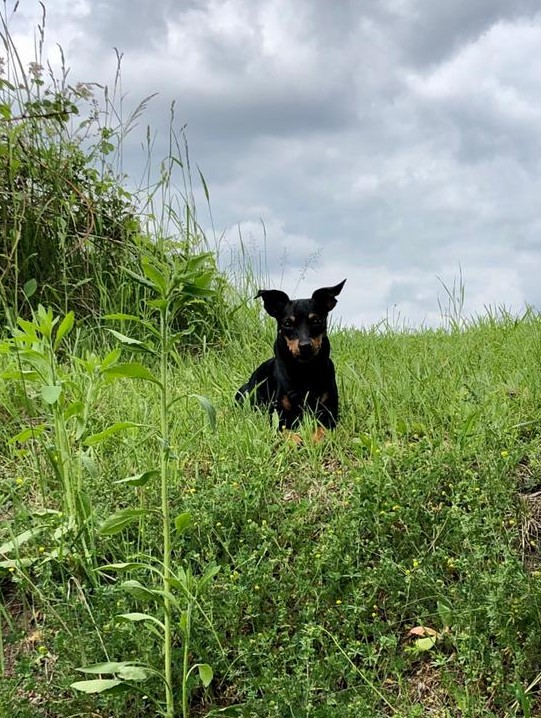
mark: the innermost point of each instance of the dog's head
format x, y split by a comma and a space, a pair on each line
301, 322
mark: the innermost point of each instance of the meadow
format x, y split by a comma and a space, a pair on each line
164, 551
389, 570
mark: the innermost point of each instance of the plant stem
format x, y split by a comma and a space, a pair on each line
170, 703
187, 630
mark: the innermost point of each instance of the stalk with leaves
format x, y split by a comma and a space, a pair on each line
173, 283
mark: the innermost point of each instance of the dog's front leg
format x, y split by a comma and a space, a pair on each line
289, 412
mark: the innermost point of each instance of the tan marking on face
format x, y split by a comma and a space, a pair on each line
293, 346
313, 316
318, 434
316, 343
284, 401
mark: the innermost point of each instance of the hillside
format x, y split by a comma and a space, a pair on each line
391, 569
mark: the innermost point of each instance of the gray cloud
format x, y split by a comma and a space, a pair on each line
393, 145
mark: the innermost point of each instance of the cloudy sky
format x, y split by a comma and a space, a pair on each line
393, 142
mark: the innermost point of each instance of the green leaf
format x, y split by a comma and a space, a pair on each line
207, 576
31, 432
138, 479
182, 521
111, 358
24, 375
110, 431
30, 287
153, 274
205, 188
138, 278
88, 462
123, 338
16, 563
100, 685
136, 617
425, 644
5, 109
65, 328
83, 505
51, 394
208, 408
445, 614
123, 566
76, 407
142, 593
205, 673
26, 326
110, 667
19, 540
160, 304
132, 370
118, 521
134, 673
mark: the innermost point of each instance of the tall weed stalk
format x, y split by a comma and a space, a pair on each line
168, 285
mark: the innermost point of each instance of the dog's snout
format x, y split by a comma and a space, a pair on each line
305, 348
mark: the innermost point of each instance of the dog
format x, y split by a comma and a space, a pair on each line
301, 374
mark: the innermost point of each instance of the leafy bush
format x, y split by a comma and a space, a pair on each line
68, 224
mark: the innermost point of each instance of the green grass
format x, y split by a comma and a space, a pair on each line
411, 514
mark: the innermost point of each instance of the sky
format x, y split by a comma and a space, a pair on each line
395, 143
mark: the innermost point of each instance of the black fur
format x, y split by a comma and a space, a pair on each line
301, 374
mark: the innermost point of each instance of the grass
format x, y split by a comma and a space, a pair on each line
419, 512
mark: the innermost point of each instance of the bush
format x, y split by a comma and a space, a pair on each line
68, 224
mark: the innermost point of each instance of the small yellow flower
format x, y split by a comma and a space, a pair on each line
338, 602
256, 587
504, 453
41, 549
19, 480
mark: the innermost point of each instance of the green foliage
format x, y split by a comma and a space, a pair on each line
392, 569
72, 234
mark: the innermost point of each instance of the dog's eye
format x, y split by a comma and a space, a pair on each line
287, 323
316, 321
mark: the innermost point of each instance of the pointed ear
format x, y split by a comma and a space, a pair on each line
326, 296
274, 301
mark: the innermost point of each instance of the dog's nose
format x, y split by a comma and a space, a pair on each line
305, 348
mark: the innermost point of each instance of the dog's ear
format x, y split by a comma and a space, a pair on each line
274, 301
326, 296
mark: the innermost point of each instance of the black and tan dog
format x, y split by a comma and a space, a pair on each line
301, 375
